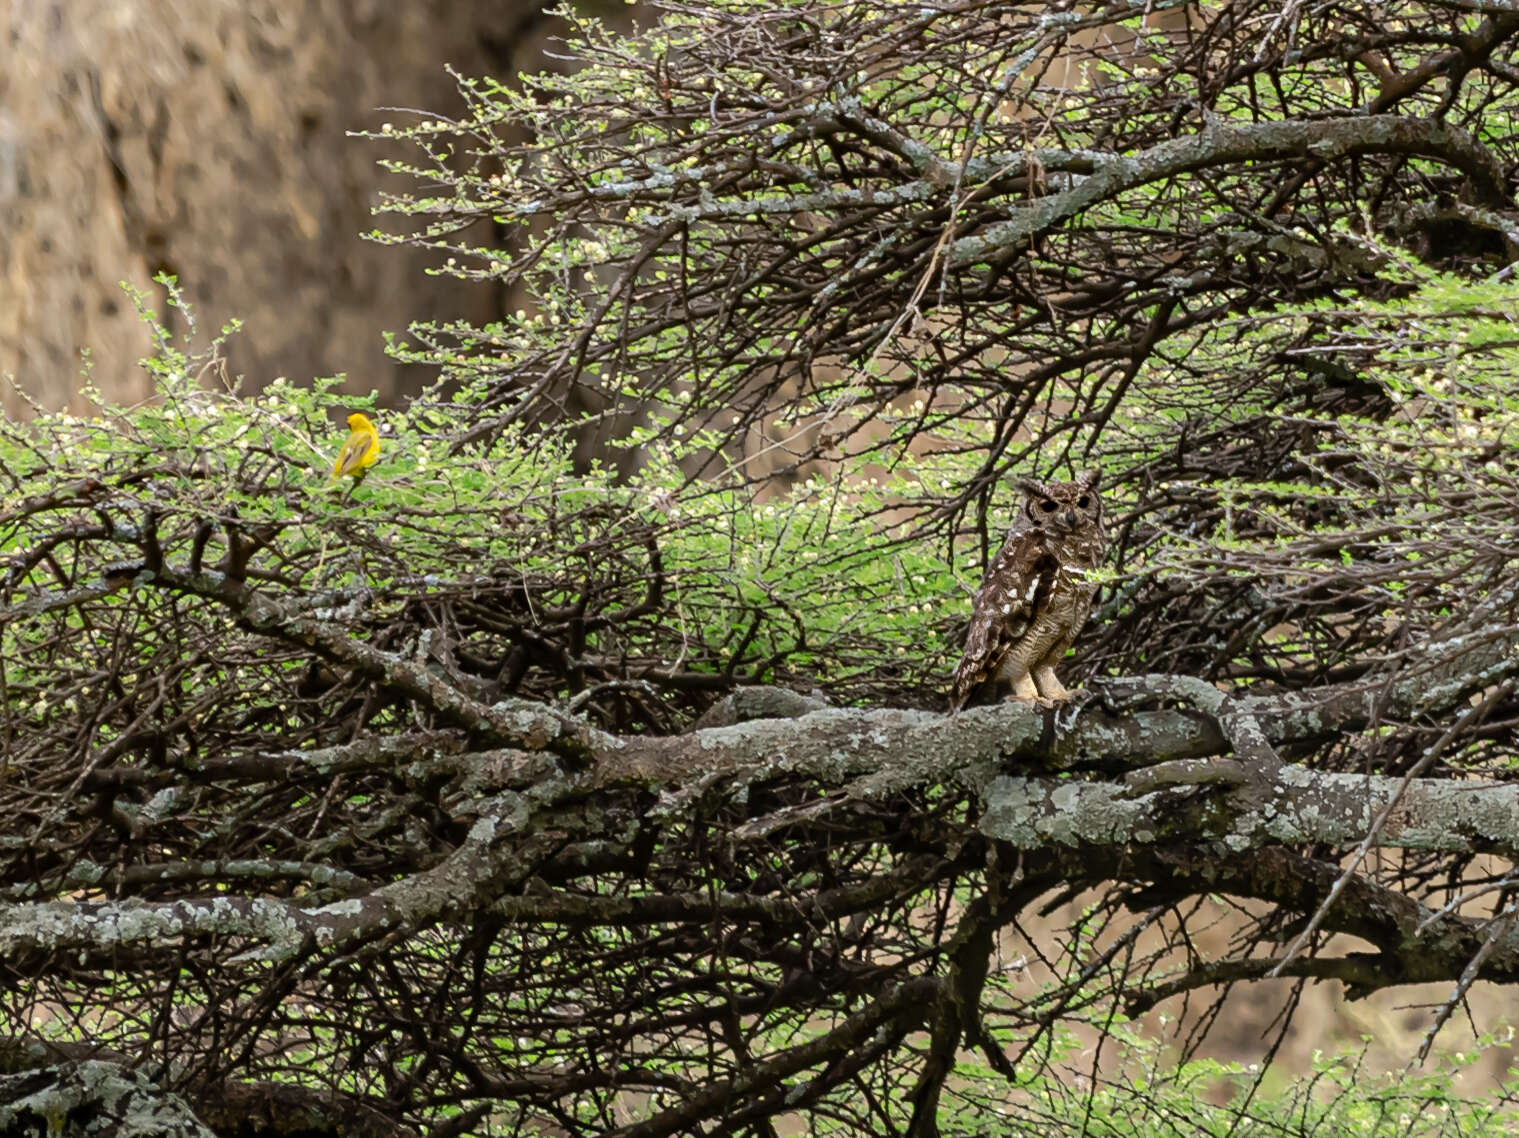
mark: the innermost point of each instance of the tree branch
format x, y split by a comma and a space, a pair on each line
1222, 143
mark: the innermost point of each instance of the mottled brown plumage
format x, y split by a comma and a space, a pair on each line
1036, 595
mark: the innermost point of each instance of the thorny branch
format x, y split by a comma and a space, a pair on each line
457, 802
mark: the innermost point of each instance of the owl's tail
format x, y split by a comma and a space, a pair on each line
966, 678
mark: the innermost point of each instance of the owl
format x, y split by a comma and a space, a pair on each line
1036, 594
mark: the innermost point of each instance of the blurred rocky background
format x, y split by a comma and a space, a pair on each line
208, 139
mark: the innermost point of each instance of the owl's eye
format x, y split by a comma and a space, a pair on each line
1083, 502
1047, 506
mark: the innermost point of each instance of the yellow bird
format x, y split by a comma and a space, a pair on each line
359, 452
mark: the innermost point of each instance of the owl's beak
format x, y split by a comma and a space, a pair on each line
1070, 519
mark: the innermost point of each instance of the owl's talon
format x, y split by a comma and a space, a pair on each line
1036, 700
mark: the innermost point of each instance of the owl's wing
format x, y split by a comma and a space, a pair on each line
1017, 582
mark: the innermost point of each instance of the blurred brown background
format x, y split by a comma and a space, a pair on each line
208, 139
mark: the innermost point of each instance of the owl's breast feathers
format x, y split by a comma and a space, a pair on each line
1018, 584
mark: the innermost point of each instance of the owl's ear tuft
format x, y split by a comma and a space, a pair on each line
1032, 487
1087, 479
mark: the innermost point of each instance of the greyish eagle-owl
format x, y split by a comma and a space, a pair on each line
1036, 594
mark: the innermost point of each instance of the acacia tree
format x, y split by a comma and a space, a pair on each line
584, 769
